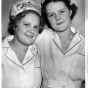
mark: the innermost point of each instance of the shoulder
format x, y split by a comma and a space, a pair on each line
45, 35
47, 32
82, 45
6, 39
82, 37
81, 41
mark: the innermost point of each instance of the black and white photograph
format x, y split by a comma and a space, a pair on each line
43, 43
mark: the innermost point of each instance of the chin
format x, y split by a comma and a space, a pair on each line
60, 30
28, 43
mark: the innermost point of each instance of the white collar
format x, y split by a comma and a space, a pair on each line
7, 50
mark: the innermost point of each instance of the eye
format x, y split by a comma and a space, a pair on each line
36, 27
26, 24
61, 12
50, 15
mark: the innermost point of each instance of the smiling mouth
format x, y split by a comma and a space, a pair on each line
29, 36
60, 23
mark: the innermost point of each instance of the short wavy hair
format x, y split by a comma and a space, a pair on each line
13, 20
70, 6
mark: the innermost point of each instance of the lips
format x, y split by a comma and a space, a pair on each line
60, 23
29, 35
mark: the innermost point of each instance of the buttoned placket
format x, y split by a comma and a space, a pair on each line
76, 40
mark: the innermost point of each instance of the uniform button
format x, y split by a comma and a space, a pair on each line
22, 72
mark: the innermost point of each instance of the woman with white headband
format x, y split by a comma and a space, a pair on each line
20, 64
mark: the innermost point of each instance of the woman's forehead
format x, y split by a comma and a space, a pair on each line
33, 18
52, 6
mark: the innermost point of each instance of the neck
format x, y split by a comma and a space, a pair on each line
65, 35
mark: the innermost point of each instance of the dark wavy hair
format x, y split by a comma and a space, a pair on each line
13, 20
70, 6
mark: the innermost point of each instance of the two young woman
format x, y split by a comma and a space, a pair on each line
60, 48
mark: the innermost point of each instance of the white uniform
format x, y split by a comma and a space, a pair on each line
17, 75
61, 70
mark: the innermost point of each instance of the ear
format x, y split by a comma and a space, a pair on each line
70, 12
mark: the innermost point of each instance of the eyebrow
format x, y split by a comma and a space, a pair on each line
25, 21
29, 23
58, 10
62, 9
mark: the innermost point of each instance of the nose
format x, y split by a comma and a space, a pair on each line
31, 29
57, 17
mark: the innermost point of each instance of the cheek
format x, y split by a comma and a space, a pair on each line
22, 31
68, 20
51, 21
36, 33
19, 32
67, 16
